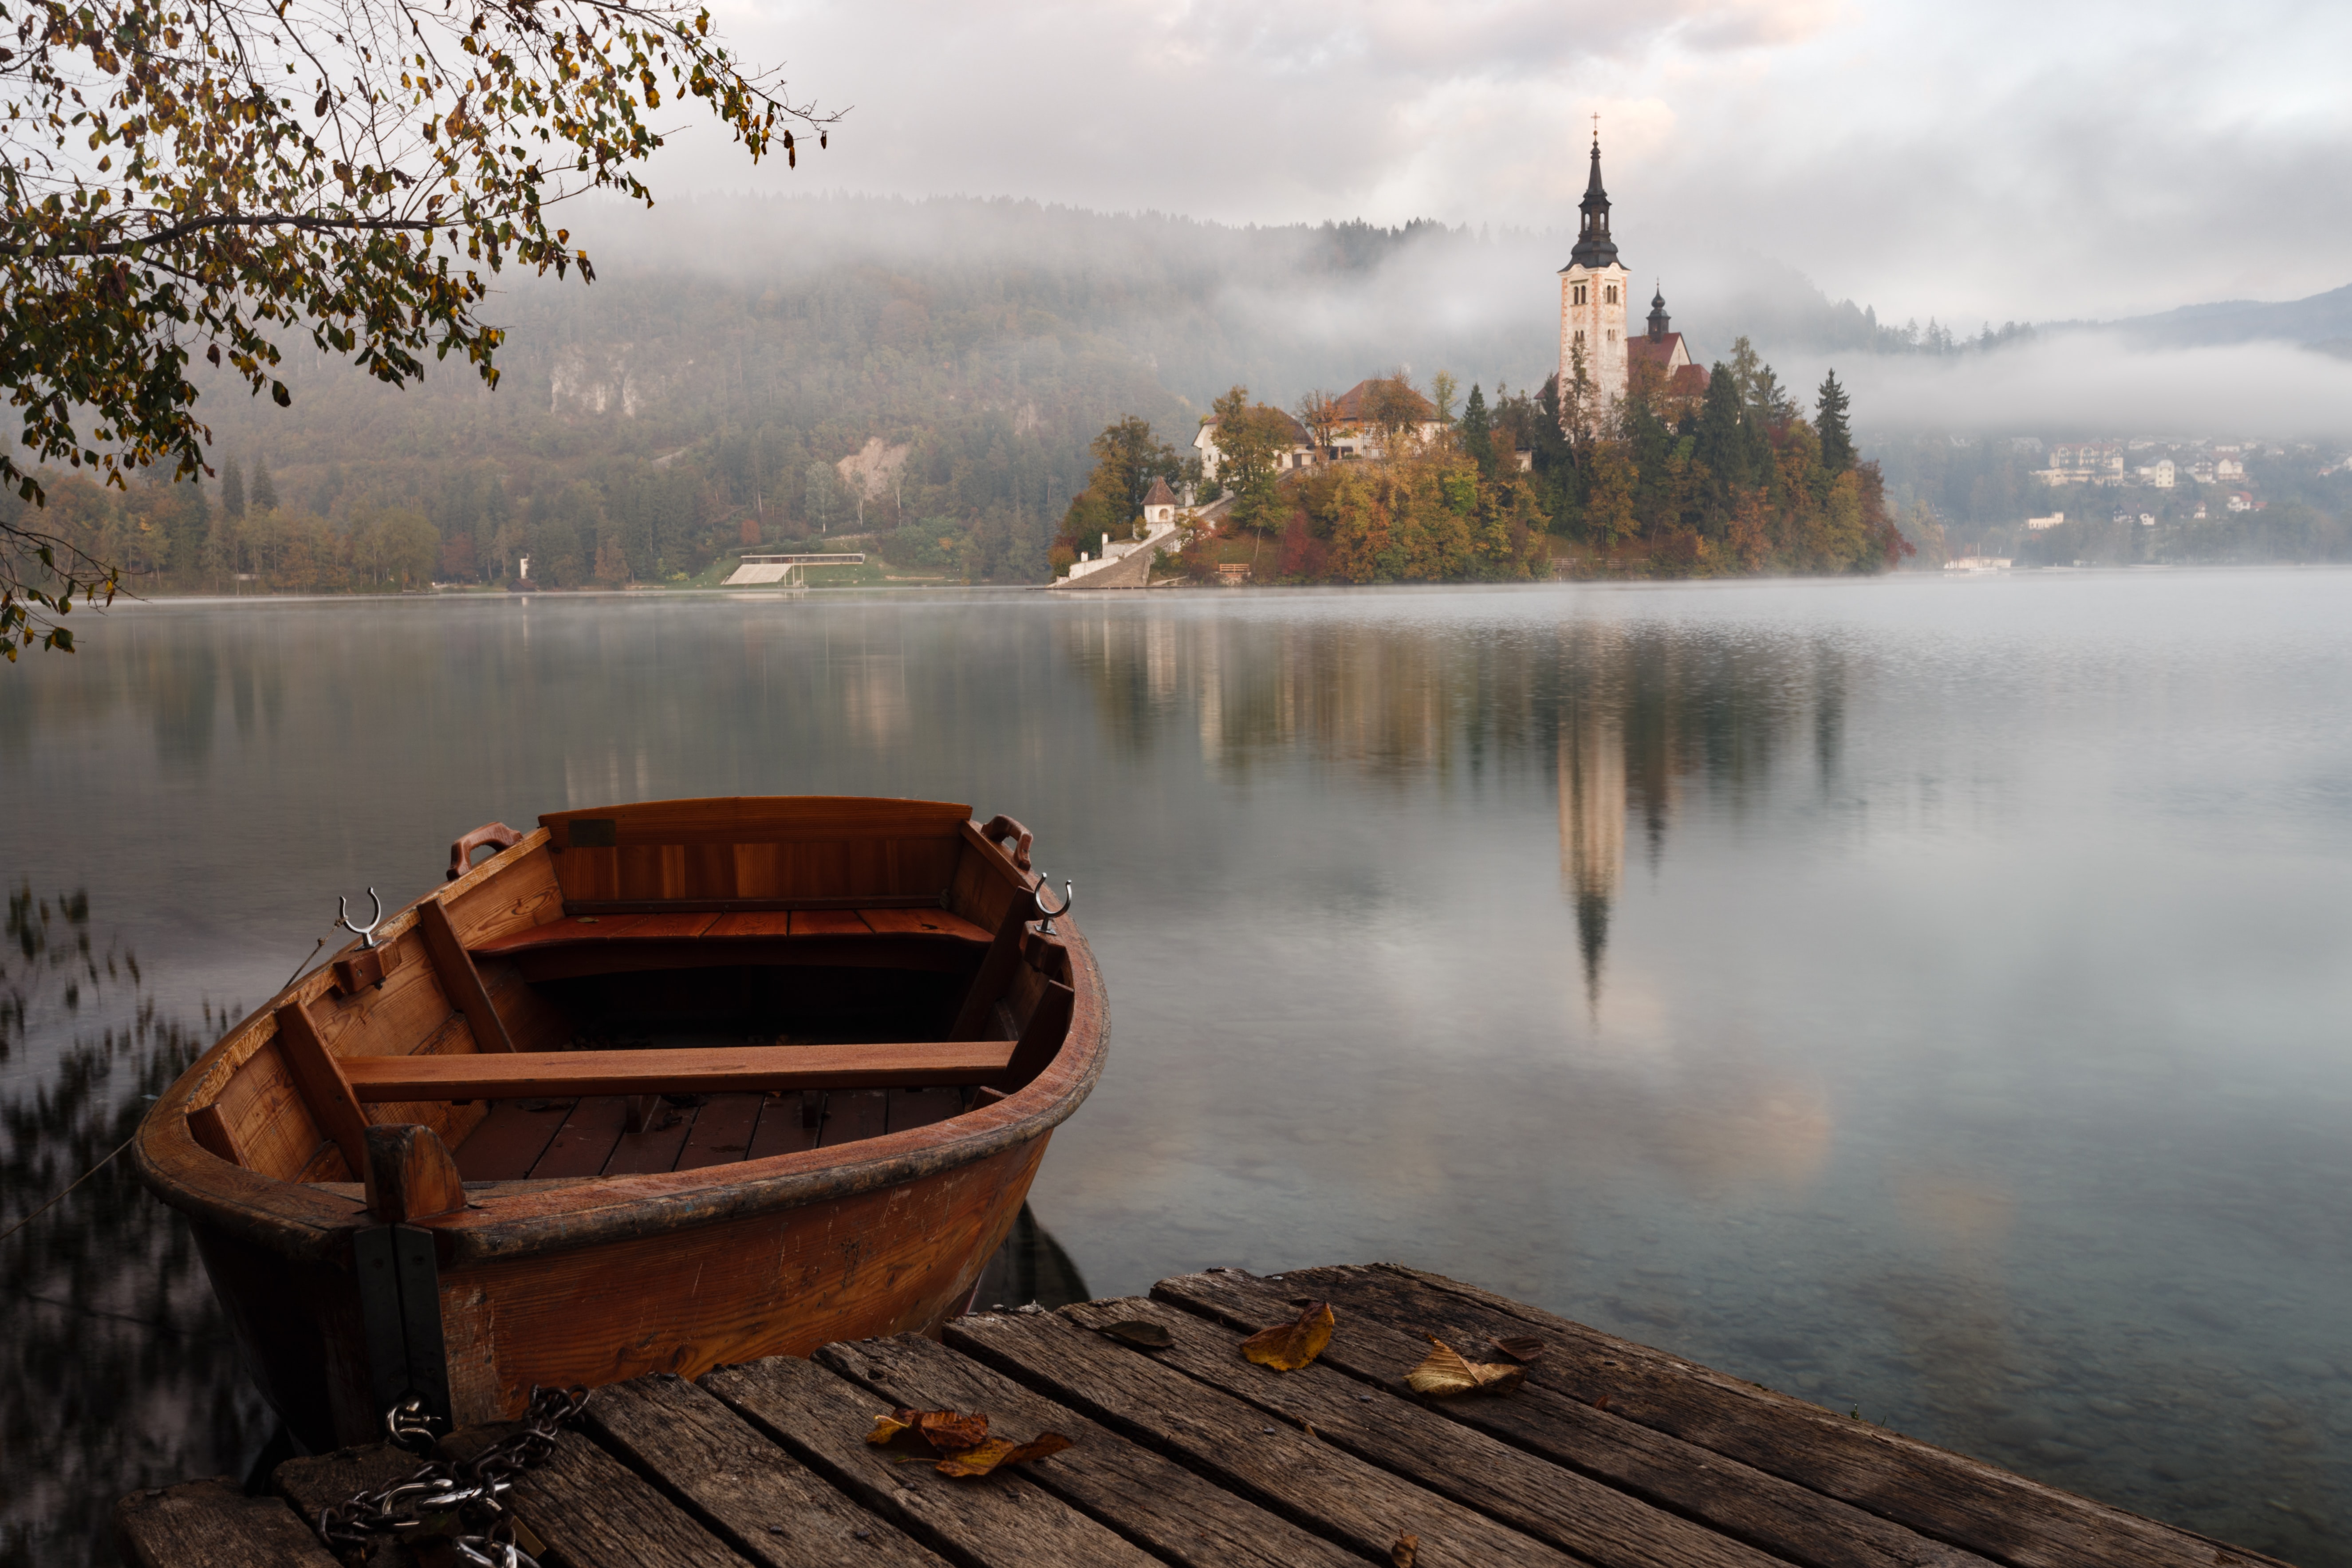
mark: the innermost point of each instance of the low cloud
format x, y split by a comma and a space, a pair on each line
2093, 384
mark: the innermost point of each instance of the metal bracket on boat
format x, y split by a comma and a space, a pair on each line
366, 933
400, 1312
1069, 897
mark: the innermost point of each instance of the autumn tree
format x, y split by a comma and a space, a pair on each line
1395, 410
1443, 390
213, 177
1251, 439
1128, 458
1318, 411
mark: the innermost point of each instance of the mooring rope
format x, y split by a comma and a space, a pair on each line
126, 1143
70, 1186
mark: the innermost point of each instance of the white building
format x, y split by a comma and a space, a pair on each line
1159, 505
2053, 521
1354, 435
2083, 462
1593, 289
2158, 475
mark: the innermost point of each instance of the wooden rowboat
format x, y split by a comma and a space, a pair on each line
521, 1138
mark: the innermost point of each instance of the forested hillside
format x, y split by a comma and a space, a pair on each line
702, 394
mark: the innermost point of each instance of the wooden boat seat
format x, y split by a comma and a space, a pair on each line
901, 938
516, 1075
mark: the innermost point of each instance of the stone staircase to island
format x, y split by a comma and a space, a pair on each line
1128, 565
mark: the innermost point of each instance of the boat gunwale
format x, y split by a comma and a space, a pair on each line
301, 1220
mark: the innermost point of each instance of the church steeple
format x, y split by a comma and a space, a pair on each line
1594, 248
1660, 323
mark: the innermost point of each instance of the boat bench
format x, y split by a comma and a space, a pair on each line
337, 1089
884, 937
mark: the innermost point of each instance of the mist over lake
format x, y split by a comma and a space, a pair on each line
1923, 996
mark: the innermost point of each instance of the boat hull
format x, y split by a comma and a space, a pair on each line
898, 1258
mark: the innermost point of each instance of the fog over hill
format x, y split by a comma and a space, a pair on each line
705, 393
856, 316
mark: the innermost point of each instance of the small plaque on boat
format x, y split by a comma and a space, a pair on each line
593, 833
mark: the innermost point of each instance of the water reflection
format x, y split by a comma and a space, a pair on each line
1591, 786
1919, 999
116, 1369
1628, 716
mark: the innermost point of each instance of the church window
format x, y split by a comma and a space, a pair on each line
1579, 334
1579, 293
1612, 297
1612, 334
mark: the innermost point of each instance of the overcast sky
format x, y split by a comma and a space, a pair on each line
1989, 160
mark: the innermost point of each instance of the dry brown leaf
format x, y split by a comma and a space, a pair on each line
947, 1431
1135, 1331
1443, 1371
1406, 1549
999, 1452
1287, 1347
1521, 1347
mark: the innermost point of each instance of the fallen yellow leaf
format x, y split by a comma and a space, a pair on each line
1287, 1347
1407, 1548
1444, 1371
998, 1452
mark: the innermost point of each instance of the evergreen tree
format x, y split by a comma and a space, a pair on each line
1837, 438
265, 494
1477, 431
232, 489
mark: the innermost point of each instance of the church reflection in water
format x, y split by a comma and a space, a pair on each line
1625, 720
1591, 786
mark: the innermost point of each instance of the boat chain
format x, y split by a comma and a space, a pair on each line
470, 1491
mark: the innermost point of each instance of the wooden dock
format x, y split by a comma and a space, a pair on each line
1611, 1454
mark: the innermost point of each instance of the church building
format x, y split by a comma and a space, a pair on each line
1594, 290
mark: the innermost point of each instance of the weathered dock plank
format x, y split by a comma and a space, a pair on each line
1148, 1499
822, 1418
592, 1512
212, 1524
1609, 1455
1280, 1464
1573, 1512
765, 1504
1740, 1501
1938, 1493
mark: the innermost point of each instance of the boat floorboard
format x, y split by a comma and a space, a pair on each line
523, 1140
1609, 1455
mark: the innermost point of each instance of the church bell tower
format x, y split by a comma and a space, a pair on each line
1594, 288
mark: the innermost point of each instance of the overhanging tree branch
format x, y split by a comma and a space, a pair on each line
200, 176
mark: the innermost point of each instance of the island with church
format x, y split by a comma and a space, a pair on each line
1630, 460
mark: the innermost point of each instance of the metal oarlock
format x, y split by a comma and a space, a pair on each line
366, 933
1069, 897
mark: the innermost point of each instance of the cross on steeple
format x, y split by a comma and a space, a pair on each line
1594, 246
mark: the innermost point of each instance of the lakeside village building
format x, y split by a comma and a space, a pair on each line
1594, 288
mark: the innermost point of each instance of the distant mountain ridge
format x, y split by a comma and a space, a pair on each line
2321, 321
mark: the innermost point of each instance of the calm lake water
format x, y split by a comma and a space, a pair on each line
1928, 997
